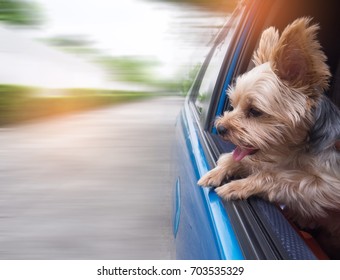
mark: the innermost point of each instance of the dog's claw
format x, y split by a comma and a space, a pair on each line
213, 178
233, 190
226, 193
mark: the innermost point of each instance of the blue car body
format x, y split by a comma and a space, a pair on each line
199, 211
204, 226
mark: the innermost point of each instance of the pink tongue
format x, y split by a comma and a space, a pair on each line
240, 153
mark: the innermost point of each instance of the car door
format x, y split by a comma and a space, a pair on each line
202, 229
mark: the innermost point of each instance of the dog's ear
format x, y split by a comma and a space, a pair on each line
268, 41
298, 59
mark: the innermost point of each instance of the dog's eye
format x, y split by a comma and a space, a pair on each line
230, 107
254, 113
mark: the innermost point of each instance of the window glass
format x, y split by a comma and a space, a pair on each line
209, 79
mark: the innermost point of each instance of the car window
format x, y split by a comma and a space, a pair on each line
217, 55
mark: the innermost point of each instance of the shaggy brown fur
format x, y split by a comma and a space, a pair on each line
272, 116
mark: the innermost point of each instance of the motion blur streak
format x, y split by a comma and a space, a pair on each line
92, 185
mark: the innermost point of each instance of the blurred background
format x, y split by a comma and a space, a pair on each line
89, 94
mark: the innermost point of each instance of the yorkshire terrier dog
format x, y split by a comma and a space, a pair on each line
286, 133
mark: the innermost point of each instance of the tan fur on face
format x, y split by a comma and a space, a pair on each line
288, 80
289, 77
283, 114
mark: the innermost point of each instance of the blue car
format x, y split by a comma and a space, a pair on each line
205, 226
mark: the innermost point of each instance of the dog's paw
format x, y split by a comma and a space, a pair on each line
213, 178
233, 190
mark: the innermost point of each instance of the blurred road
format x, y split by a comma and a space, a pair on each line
93, 185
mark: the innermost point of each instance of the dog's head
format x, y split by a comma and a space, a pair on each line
272, 104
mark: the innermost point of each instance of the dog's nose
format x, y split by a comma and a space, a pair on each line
221, 130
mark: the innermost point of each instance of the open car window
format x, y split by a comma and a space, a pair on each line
210, 71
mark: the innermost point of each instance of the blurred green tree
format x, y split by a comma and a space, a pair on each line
130, 69
77, 44
21, 13
122, 68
